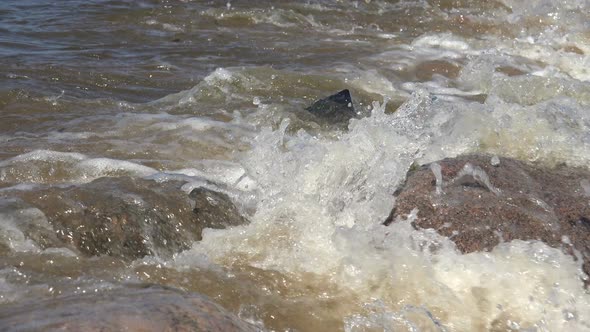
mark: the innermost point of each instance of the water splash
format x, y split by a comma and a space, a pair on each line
436, 170
478, 175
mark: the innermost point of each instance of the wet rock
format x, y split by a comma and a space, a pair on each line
150, 308
130, 217
215, 209
479, 201
336, 108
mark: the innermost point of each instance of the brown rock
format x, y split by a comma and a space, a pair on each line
127, 217
215, 209
519, 201
139, 308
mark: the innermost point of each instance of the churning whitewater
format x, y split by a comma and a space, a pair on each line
172, 96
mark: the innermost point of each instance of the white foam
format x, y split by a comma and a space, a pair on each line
319, 201
444, 41
229, 174
194, 123
98, 167
282, 18
44, 155
526, 283
572, 64
20, 186
439, 90
45, 166
172, 27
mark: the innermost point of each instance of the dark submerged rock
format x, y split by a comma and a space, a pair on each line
130, 217
140, 308
337, 108
518, 201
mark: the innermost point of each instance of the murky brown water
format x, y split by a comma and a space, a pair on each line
214, 93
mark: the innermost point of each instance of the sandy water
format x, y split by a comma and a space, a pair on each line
214, 92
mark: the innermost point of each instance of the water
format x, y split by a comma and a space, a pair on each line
216, 91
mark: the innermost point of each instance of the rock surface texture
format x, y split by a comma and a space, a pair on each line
146, 309
479, 201
126, 217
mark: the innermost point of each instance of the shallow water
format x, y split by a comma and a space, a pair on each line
214, 92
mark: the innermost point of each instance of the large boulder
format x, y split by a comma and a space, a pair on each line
479, 201
127, 217
147, 308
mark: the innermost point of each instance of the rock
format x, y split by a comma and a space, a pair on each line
129, 217
479, 201
147, 308
336, 108
215, 209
